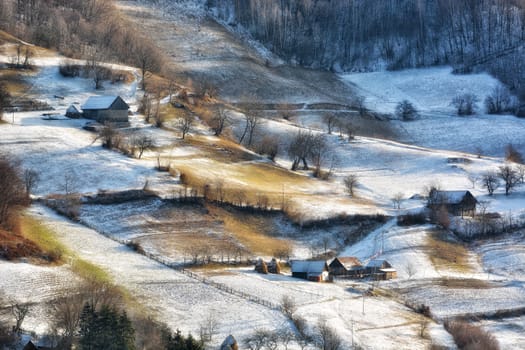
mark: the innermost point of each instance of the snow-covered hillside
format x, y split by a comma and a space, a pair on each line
431, 91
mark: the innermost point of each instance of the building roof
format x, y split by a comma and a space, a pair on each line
451, 197
388, 270
99, 102
311, 267
30, 346
72, 109
377, 263
348, 261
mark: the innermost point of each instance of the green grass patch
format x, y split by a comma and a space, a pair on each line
43, 237
46, 239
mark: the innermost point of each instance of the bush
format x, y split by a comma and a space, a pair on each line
412, 219
465, 104
469, 336
69, 70
513, 155
406, 111
501, 101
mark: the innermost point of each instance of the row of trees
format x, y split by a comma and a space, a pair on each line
499, 101
403, 33
507, 175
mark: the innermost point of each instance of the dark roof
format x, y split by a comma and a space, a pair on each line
72, 109
348, 261
451, 197
30, 346
100, 102
378, 263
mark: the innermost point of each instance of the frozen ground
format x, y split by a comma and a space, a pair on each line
384, 168
176, 299
431, 90
185, 303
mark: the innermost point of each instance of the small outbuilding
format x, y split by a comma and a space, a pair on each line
457, 203
316, 270
112, 109
73, 112
346, 266
380, 270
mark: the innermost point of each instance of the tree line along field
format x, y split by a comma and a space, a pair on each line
365, 35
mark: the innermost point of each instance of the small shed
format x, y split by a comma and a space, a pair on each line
387, 274
73, 112
374, 266
345, 266
380, 270
457, 203
316, 270
106, 109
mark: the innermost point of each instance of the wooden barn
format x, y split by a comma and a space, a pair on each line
380, 270
347, 266
103, 109
457, 203
316, 271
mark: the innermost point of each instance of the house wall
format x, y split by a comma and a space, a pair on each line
101, 116
302, 275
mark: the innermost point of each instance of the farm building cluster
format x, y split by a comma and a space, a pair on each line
340, 267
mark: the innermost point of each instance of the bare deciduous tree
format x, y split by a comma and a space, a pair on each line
330, 119
185, 123
147, 60
465, 104
405, 110
110, 136
397, 199
19, 312
4, 99
490, 182
12, 190
219, 122
31, 178
269, 146
141, 143
350, 182
509, 176
288, 306
252, 121
327, 338
208, 327
300, 148
500, 101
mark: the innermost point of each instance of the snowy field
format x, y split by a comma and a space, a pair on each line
431, 91
56, 148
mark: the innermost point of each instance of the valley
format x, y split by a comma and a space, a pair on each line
202, 208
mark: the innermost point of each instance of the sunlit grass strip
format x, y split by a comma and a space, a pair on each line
46, 239
251, 232
447, 255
